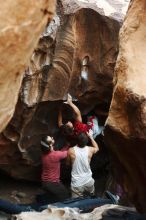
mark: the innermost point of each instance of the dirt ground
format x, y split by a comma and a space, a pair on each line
18, 191
24, 192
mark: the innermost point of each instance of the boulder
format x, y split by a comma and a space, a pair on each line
125, 131
110, 8
20, 27
55, 69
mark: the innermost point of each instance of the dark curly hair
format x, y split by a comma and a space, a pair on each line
66, 130
82, 140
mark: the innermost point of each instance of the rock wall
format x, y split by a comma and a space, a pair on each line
73, 58
20, 28
126, 124
111, 8
100, 45
55, 68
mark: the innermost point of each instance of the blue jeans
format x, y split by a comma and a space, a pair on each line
81, 203
84, 204
11, 208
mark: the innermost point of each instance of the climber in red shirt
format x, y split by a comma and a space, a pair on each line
51, 160
77, 126
73, 128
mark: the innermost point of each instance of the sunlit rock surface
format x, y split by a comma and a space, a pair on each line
54, 70
115, 9
33, 86
126, 124
21, 23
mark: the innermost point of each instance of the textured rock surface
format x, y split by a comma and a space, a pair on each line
20, 27
32, 87
102, 49
112, 8
78, 42
106, 212
126, 123
55, 69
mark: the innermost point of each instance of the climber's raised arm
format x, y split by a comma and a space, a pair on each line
75, 108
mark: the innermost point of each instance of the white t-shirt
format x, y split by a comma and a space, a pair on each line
81, 171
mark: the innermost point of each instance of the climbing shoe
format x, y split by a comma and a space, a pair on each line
114, 198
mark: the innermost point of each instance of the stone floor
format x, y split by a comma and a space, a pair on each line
25, 192
18, 191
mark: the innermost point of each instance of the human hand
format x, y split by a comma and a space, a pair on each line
69, 98
50, 140
88, 134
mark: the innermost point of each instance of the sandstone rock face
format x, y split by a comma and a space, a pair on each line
126, 124
20, 28
63, 70
92, 84
35, 75
55, 69
111, 8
